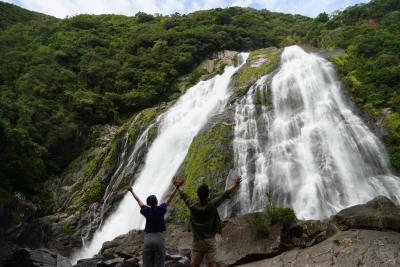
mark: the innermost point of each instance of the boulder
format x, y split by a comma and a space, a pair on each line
378, 214
177, 239
348, 248
125, 246
113, 262
26, 257
313, 232
91, 262
240, 243
132, 262
100, 261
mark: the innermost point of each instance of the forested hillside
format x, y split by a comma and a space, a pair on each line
60, 77
11, 14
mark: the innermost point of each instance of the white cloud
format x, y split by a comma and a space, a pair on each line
62, 8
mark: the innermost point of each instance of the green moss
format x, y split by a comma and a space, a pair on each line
91, 192
111, 157
258, 52
207, 158
207, 153
92, 165
248, 75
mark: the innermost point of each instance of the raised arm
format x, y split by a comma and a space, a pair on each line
171, 197
219, 200
138, 200
178, 185
237, 182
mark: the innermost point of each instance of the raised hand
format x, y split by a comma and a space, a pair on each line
128, 189
238, 180
177, 182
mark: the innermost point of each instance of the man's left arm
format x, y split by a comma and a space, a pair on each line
219, 200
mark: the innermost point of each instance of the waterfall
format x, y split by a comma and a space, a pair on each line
308, 148
251, 124
177, 128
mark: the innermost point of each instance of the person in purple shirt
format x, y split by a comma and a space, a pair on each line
154, 244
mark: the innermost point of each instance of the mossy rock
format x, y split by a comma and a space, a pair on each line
91, 192
259, 63
209, 160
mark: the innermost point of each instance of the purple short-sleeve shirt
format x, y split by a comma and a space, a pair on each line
154, 218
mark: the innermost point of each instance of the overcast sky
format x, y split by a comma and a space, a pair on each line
62, 8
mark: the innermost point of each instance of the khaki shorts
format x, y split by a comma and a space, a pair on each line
204, 248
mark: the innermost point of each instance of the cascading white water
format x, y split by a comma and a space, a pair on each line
251, 122
177, 128
319, 157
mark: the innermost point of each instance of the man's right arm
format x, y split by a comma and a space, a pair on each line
178, 184
185, 198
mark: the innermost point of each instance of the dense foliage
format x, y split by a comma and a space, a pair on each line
60, 77
370, 33
11, 14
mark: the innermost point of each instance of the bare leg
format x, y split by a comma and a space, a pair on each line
212, 264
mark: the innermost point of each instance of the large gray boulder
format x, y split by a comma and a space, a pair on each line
378, 214
348, 248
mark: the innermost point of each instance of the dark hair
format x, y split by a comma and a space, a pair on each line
203, 192
152, 201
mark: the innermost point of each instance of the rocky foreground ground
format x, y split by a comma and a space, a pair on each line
362, 235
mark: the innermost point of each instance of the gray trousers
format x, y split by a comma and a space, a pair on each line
153, 250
